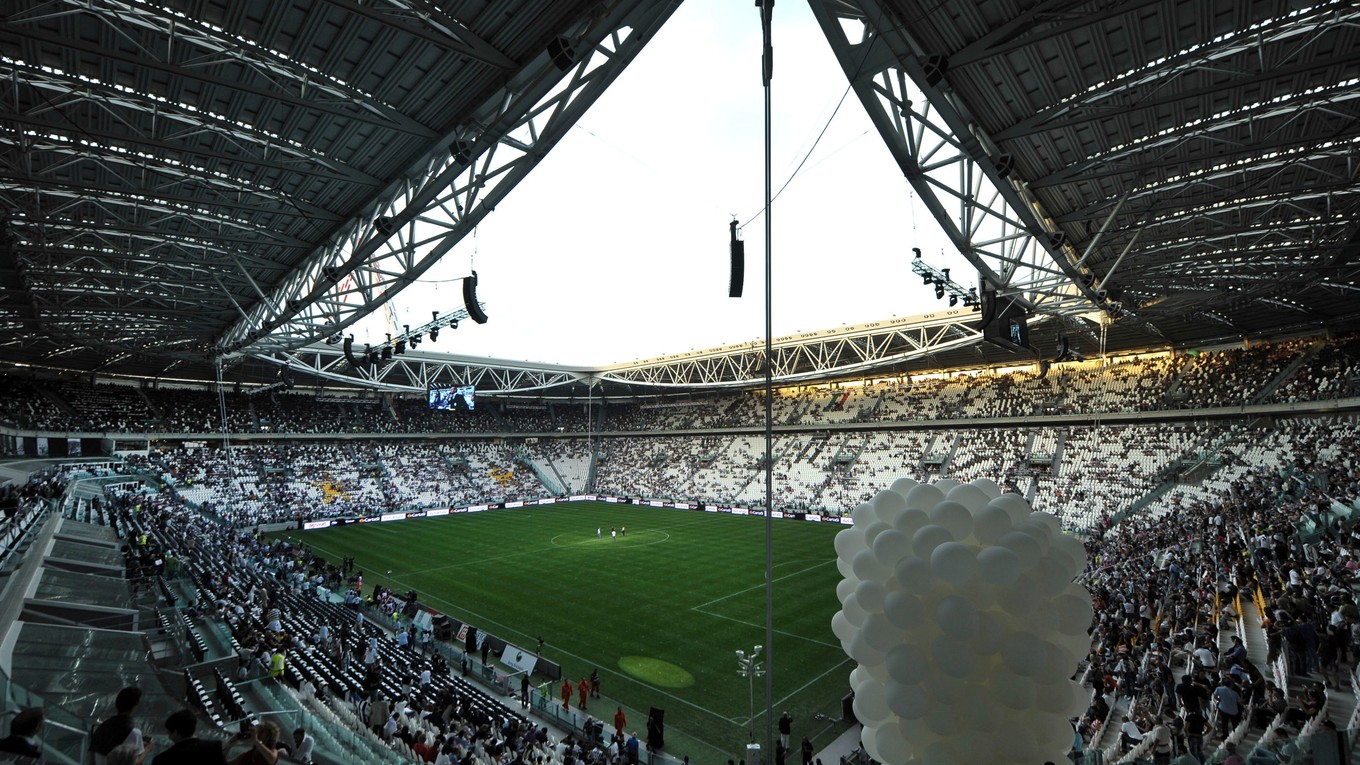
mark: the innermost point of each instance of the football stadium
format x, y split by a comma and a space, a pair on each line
1047, 444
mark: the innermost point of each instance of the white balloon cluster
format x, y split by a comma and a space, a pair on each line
958, 605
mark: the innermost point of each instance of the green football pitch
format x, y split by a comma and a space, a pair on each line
660, 610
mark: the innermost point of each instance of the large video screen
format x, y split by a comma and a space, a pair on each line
458, 398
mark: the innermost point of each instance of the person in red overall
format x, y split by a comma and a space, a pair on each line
566, 693
583, 691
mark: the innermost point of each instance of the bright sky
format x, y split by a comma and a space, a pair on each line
615, 246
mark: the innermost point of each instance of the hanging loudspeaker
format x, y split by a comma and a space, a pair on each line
738, 248
470, 299
349, 352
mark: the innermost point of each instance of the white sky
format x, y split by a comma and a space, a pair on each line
615, 247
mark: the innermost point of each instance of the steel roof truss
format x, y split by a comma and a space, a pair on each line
990, 220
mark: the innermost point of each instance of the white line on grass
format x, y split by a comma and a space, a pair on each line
777, 632
761, 586
801, 688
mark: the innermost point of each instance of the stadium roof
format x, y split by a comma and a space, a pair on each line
207, 178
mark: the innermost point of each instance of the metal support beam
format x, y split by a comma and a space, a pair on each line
954, 168
424, 216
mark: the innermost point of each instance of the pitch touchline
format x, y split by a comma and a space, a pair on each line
761, 586
778, 632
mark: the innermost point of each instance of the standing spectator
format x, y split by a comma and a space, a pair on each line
23, 734
185, 749
118, 729
1229, 704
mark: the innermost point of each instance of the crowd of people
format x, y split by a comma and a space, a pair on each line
1169, 586
1302, 369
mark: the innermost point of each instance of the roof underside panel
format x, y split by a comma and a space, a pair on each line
164, 166
1217, 142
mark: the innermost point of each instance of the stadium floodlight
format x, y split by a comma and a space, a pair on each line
749, 668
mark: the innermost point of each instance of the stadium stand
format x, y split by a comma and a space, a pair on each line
1199, 531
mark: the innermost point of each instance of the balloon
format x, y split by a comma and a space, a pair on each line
888, 504
927, 539
1014, 505
871, 704
1023, 654
980, 593
1074, 614
944, 721
904, 610
946, 484
845, 568
1048, 521
1020, 543
913, 575
848, 541
862, 652
844, 587
863, 515
880, 633
841, 627
891, 546
960, 607
924, 496
854, 612
953, 562
870, 595
869, 737
954, 517
957, 618
907, 664
990, 637
987, 486
950, 660
1013, 691
911, 520
941, 753
892, 747
872, 531
989, 523
1049, 577
908, 702
1071, 548
998, 565
969, 496
942, 688
1018, 599
866, 566
904, 485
